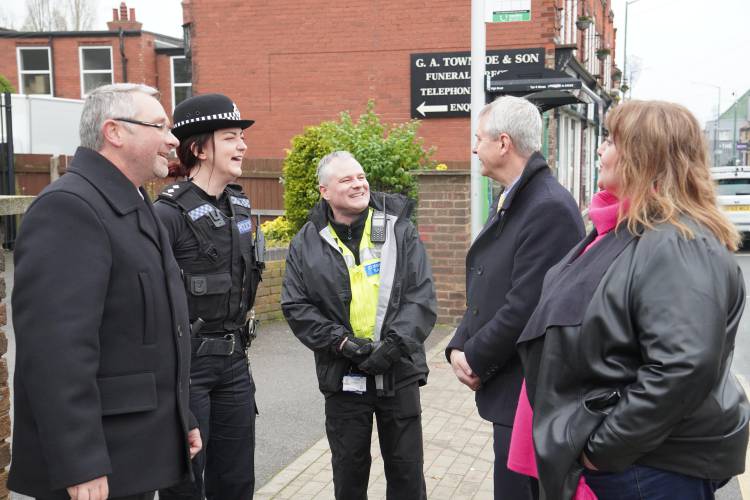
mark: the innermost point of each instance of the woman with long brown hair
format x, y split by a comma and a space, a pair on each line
627, 356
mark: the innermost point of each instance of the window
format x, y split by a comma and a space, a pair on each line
35, 70
182, 85
96, 68
733, 187
568, 14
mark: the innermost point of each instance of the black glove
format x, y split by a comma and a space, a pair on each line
383, 355
355, 348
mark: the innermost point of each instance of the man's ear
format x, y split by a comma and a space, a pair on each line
323, 192
504, 143
112, 132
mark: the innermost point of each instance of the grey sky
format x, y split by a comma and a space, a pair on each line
685, 49
681, 49
160, 16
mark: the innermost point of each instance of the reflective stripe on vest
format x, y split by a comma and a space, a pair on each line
364, 280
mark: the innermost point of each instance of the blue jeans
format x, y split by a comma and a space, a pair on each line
639, 482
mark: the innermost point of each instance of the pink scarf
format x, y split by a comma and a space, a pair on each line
603, 213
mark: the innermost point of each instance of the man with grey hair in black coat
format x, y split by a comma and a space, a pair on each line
100, 319
533, 224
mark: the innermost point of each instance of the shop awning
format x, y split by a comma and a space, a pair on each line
549, 99
547, 89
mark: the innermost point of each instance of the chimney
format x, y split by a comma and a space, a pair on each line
121, 20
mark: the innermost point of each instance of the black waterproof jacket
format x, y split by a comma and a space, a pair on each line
316, 295
628, 354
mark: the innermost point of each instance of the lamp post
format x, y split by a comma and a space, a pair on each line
734, 130
478, 93
625, 50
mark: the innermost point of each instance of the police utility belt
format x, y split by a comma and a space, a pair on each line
222, 344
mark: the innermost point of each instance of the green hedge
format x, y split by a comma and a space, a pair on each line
5, 85
388, 154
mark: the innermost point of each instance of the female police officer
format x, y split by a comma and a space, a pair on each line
210, 229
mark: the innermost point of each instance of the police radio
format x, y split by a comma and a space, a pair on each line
260, 246
377, 226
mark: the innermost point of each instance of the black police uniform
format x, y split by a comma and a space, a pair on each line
213, 244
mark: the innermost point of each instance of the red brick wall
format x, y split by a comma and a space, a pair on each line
141, 58
8, 67
444, 224
164, 80
292, 64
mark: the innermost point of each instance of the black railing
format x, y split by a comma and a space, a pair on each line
7, 167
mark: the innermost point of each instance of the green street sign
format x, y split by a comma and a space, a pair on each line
511, 17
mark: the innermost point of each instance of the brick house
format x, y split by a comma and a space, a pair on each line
292, 64
69, 64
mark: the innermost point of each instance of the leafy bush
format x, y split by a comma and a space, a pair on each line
388, 154
5, 85
278, 231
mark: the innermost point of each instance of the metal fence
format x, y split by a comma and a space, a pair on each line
7, 167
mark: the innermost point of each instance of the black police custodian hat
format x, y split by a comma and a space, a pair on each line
206, 113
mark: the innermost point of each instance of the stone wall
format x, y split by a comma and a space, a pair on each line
268, 298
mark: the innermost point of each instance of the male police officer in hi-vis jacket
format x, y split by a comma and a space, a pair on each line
358, 291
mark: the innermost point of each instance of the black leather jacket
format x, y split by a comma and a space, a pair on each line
628, 357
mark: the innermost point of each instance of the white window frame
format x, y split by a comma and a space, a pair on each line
83, 72
562, 151
568, 17
22, 72
171, 78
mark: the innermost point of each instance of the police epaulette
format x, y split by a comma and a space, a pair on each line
235, 189
174, 191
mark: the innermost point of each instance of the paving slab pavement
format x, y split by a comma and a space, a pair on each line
457, 448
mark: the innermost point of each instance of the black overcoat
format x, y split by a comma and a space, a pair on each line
536, 226
103, 345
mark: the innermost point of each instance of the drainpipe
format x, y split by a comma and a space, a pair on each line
122, 56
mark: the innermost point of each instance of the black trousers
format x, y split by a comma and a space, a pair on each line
141, 496
222, 398
349, 429
509, 485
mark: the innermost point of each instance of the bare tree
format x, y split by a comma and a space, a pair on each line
6, 19
635, 68
81, 14
44, 15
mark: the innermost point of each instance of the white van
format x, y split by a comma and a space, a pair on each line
733, 195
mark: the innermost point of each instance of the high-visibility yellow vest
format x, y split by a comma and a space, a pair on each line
364, 280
